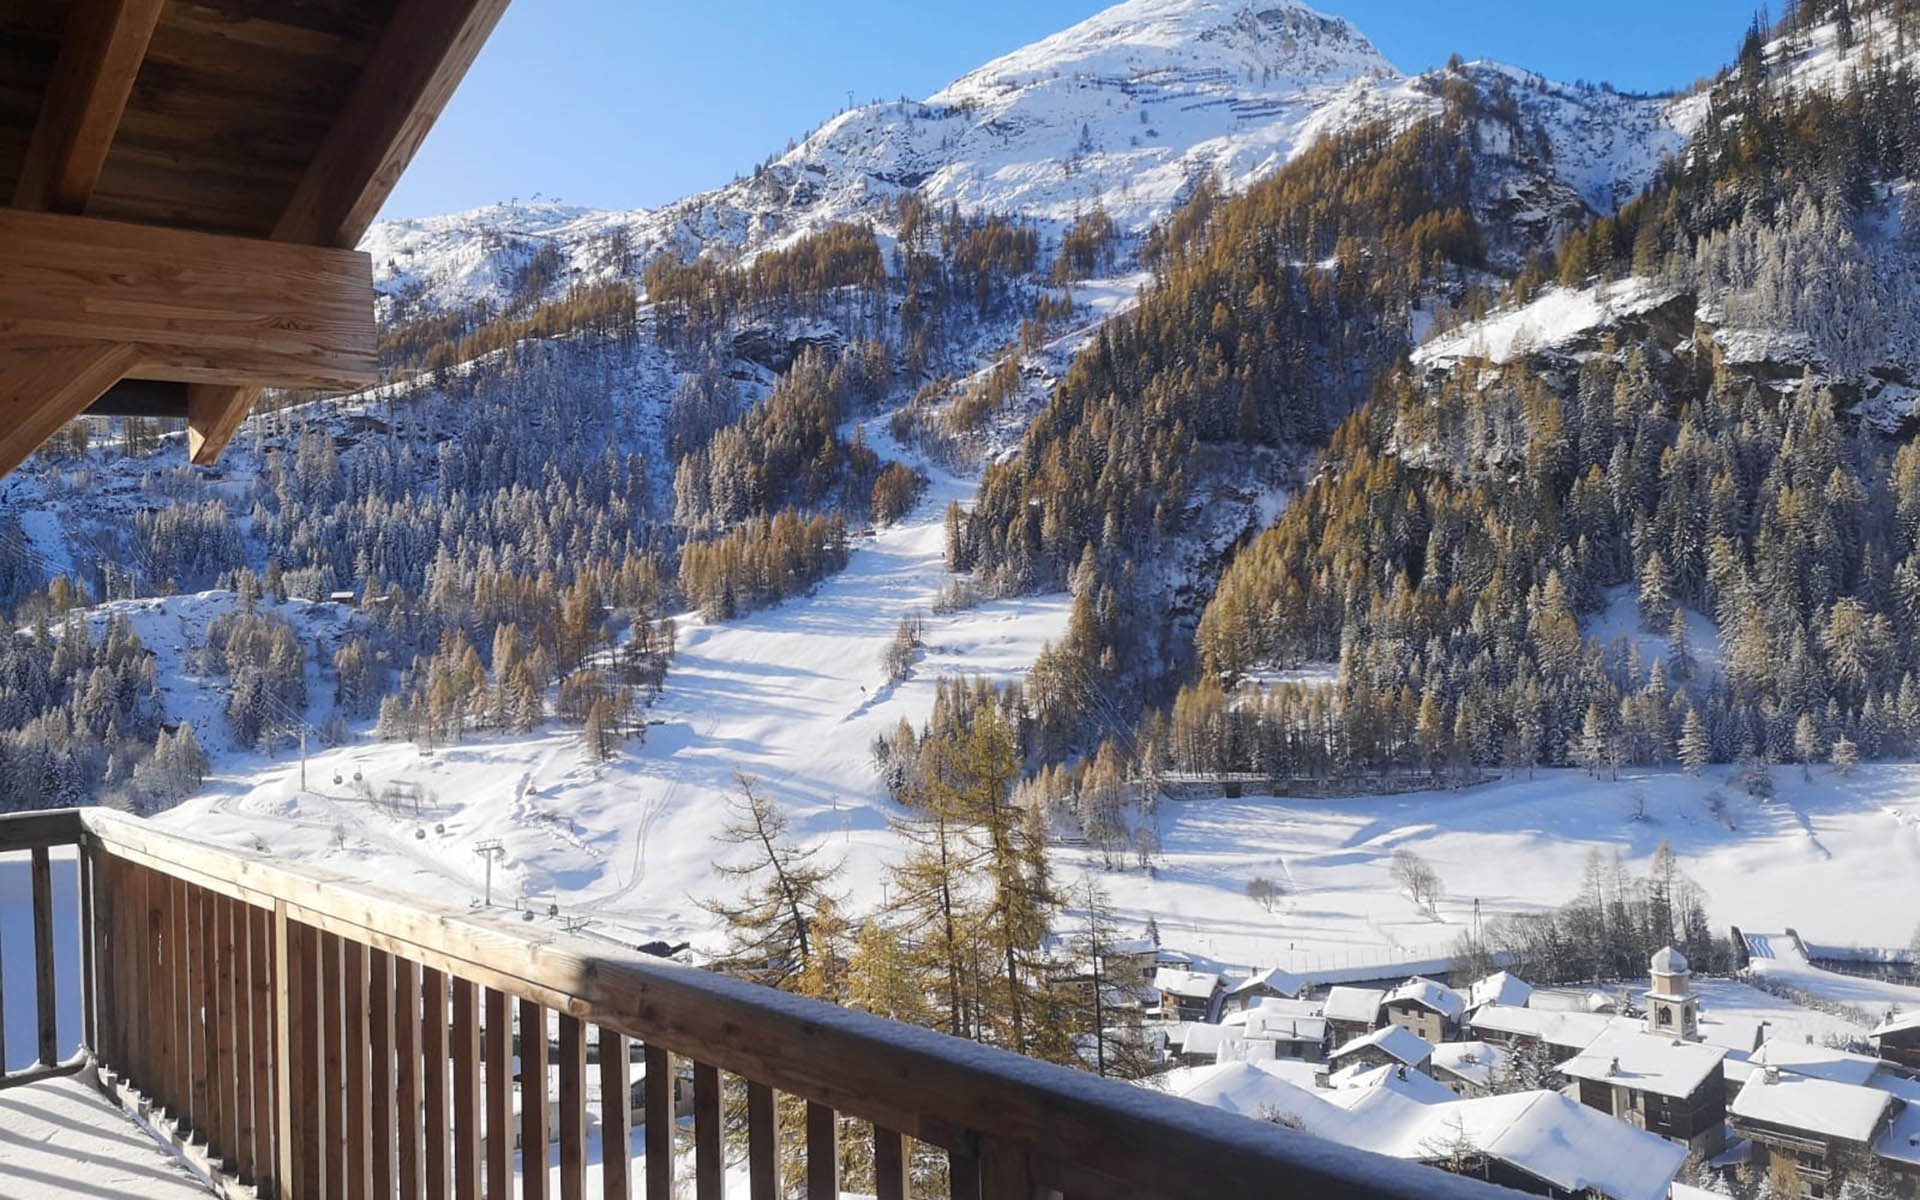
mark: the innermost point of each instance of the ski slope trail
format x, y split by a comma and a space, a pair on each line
793, 697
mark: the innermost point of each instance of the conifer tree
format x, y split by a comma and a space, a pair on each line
1693, 748
1845, 755
769, 926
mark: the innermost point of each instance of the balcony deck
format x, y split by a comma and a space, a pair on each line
62, 1139
294, 1033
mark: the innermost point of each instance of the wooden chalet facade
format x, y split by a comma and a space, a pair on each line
1696, 1118
1817, 1127
1898, 1041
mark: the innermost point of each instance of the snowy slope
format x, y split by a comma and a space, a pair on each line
1128, 109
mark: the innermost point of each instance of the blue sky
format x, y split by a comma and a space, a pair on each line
630, 103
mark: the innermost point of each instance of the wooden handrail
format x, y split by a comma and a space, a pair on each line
1011, 1126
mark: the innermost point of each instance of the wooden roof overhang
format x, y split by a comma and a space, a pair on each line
182, 183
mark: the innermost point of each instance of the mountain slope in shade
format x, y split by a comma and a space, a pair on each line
1127, 110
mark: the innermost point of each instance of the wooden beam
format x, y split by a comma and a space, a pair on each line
42, 390
411, 74
100, 55
214, 414
200, 308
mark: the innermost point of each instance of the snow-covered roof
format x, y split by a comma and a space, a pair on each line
1403, 1080
1476, 1062
1501, 987
1664, 1066
1819, 1062
1188, 985
1352, 1004
1669, 961
1901, 1141
1581, 1000
1398, 1041
1247, 1089
1283, 1004
1283, 982
1429, 994
1561, 1141
1554, 1028
1901, 1023
1817, 1106
1574, 1148
1206, 1039
1279, 1026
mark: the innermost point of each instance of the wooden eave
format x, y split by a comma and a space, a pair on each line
183, 185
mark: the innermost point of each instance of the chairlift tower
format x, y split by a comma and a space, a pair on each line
490, 850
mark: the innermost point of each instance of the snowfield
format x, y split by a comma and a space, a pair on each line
1551, 320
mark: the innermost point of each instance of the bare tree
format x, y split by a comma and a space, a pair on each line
1416, 877
1265, 892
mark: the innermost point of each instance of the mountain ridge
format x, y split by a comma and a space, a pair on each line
1127, 111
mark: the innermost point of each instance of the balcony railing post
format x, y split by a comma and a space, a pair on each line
333, 1064
406, 1062
89, 953
659, 1134
573, 1108
823, 1152
225, 1018
466, 1090
533, 1101
889, 1165
358, 1129
380, 1078
433, 1052
763, 1143
263, 1049
43, 957
179, 981
285, 1133
708, 1167
499, 1084
616, 1115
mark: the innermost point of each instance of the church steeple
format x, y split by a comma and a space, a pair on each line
1672, 1008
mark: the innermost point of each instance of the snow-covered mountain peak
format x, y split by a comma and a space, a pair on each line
1280, 46
1127, 111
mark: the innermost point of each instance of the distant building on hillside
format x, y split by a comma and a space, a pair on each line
1421, 1006
1563, 1034
1351, 1012
1663, 1080
1501, 987
1815, 1126
1469, 1069
1187, 995
1390, 1045
1898, 1040
1274, 984
1663, 1085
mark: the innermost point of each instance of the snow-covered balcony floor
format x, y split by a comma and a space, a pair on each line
61, 1138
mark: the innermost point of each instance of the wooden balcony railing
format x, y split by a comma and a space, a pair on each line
300, 1034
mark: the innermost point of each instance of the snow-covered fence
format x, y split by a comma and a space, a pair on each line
309, 1035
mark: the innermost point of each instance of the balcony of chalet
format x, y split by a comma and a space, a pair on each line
182, 185
204, 1019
